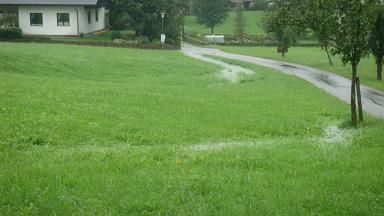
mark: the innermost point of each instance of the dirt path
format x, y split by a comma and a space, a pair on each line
373, 100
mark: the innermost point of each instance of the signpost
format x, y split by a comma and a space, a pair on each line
162, 37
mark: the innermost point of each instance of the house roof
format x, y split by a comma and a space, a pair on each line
48, 2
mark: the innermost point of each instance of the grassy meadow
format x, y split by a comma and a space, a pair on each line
252, 24
315, 57
106, 131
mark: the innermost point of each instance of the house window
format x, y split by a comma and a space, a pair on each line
97, 15
36, 19
63, 19
89, 17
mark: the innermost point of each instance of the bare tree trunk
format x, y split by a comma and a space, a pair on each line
379, 63
359, 103
353, 95
329, 56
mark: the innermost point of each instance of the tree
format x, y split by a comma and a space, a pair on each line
121, 12
320, 24
239, 22
307, 14
376, 41
277, 23
211, 13
348, 24
143, 16
353, 22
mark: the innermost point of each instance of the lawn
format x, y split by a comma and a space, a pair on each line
315, 57
252, 27
86, 130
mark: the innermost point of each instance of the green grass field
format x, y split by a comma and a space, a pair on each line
315, 57
252, 27
107, 131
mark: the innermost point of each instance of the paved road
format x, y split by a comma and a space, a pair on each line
373, 100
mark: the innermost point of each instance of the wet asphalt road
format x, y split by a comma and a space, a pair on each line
340, 87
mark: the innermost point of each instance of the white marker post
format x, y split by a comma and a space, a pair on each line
162, 38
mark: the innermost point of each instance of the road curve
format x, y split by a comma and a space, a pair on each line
340, 87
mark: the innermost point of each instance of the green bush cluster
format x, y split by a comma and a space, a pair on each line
10, 33
116, 35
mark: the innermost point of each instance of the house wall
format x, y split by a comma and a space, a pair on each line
50, 26
86, 27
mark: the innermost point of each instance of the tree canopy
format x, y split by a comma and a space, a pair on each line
144, 17
211, 13
376, 41
345, 24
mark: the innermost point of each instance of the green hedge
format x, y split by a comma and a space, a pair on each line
10, 33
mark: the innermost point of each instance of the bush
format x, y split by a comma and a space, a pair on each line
10, 33
115, 35
9, 20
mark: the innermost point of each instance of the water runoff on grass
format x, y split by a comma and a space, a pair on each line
332, 136
232, 73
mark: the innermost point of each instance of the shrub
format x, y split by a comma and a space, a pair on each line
143, 40
10, 33
115, 35
9, 20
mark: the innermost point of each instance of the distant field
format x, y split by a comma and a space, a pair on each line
315, 57
107, 131
253, 24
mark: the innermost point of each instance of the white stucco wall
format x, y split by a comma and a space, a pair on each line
86, 27
50, 20
49, 26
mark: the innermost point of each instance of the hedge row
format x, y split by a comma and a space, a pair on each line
10, 33
90, 43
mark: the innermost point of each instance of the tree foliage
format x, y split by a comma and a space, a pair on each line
144, 17
344, 24
376, 41
211, 13
277, 22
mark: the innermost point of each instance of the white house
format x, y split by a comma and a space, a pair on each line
56, 17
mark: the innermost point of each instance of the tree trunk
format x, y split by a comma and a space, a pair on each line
379, 64
353, 95
283, 53
359, 103
329, 56
212, 28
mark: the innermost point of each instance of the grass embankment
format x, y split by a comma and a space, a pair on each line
252, 27
315, 57
87, 130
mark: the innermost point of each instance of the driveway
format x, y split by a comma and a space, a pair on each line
340, 87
